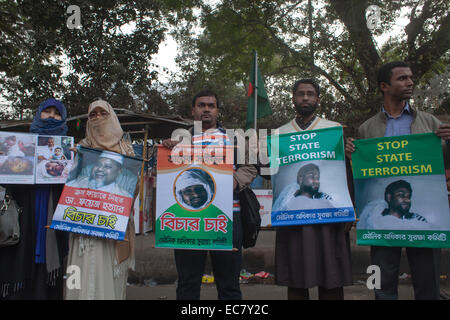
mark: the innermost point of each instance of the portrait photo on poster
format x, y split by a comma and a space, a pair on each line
402, 203
315, 184
104, 171
194, 189
17, 152
54, 159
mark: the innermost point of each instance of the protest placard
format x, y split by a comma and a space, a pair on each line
400, 192
17, 158
194, 200
53, 159
310, 186
98, 196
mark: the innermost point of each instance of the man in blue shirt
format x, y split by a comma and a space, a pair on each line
398, 117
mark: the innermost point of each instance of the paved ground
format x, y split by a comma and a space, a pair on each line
358, 291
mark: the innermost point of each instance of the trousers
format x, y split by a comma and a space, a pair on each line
424, 264
226, 267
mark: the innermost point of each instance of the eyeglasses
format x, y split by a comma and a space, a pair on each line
100, 114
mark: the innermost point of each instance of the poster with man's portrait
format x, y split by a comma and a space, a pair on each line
97, 198
194, 204
310, 186
401, 192
17, 158
53, 159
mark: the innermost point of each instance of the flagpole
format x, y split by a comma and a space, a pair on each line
256, 88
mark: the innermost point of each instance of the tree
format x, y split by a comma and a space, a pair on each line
109, 57
328, 40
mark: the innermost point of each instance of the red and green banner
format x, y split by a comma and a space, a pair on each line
400, 192
98, 196
194, 201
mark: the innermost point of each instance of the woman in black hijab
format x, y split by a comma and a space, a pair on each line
32, 269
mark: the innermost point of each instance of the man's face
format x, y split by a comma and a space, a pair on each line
195, 195
51, 112
402, 84
305, 99
54, 168
310, 182
400, 201
105, 171
50, 142
206, 110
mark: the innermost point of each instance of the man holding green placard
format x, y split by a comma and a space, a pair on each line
397, 117
312, 255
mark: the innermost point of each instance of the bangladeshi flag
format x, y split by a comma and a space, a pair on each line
256, 85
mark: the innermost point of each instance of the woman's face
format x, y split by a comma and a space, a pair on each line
98, 112
51, 112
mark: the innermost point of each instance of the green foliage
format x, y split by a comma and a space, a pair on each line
109, 57
327, 40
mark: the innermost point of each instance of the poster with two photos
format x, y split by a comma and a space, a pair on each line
34, 159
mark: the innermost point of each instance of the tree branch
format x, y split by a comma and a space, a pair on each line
425, 56
415, 26
352, 14
313, 67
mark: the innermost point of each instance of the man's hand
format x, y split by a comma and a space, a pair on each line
444, 131
349, 147
168, 143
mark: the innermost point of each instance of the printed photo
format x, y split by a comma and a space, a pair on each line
403, 203
105, 171
17, 152
54, 159
194, 189
317, 184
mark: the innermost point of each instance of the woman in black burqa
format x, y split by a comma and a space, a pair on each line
33, 268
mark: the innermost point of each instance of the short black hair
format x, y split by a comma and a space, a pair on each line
390, 189
385, 71
307, 81
205, 93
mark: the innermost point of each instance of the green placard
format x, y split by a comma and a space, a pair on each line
410, 155
400, 192
320, 144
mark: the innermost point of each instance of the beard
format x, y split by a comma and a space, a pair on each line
305, 110
401, 210
309, 189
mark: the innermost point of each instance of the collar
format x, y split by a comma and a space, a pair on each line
218, 127
406, 110
306, 125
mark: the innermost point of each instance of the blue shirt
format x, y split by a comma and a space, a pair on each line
398, 126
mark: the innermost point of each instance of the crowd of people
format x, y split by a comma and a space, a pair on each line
34, 268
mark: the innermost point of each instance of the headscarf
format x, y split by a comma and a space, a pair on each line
107, 134
50, 126
191, 178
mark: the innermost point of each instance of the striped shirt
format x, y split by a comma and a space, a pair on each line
217, 137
